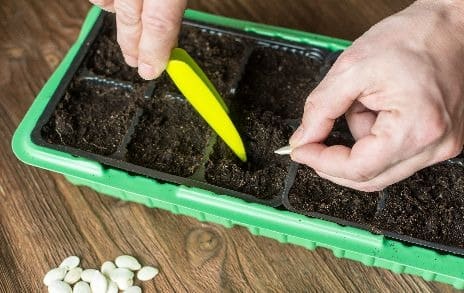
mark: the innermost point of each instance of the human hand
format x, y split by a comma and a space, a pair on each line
147, 31
401, 88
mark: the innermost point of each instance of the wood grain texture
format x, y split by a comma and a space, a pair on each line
44, 218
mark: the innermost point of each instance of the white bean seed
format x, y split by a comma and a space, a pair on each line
107, 267
124, 284
128, 262
87, 275
59, 287
147, 273
73, 275
82, 287
112, 287
56, 274
99, 283
133, 289
70, 262
122, 277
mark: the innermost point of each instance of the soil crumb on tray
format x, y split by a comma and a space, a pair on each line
264, 173
278, 81
311, 193
170, 136
429, 205
91, 117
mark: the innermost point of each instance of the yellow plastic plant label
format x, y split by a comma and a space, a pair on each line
203, 96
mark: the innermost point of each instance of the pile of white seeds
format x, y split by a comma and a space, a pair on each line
112, 277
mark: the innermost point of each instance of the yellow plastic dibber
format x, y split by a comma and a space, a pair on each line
201, 93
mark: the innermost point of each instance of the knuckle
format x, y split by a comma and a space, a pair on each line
349, 57
126, 14
310, 105
128, 46
363, 173
452, 149
158, 23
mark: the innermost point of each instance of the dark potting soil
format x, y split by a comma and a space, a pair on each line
278, 81
219, 56
428, 205
340, 134
263, 175
170, 136
313, 194
105, 57
91, 117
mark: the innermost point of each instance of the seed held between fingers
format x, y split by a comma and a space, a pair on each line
286, 150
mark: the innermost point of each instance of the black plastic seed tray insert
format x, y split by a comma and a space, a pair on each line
131, 102
426, 209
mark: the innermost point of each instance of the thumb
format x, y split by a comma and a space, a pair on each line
330, 100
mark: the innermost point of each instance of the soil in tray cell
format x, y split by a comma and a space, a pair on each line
264, 173
105, 56
170, 136
91, 117
340, 134
218, 55
429, 205
311, 193
278, 81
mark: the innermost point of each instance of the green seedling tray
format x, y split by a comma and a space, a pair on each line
286, 227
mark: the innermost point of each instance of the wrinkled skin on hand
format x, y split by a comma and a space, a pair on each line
401, 88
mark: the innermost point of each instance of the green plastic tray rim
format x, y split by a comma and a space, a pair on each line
284, 226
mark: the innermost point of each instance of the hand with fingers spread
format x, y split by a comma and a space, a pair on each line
401, 89
147, 30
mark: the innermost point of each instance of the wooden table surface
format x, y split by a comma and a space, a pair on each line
44, 218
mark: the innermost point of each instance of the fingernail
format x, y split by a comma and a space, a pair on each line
295, 155
131, 61
147, 71
297, 135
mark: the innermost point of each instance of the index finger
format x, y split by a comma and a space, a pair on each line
330, 100
369, 157
161, 22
